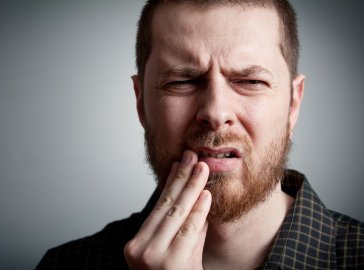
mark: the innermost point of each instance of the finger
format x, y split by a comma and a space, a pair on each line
138, 246
190, 239
180, 173
198, 252
178, 214
177, 179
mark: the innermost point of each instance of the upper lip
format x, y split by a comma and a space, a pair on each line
225, 150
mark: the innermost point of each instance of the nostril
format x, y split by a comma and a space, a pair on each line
215, 116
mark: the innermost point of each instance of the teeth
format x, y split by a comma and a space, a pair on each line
223, 155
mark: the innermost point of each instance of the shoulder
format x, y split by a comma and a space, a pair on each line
348, 229
349, 240
102, 250
344, 221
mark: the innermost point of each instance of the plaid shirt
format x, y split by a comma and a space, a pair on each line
311, 237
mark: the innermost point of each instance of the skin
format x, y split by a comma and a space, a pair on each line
234, 79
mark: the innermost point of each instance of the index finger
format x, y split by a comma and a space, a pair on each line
177, 179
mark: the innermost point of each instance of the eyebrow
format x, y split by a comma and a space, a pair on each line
194, 72
189, 72
250, 70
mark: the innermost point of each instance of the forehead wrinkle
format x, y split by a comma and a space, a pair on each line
186, 58
190, 72
248, 71
176, 55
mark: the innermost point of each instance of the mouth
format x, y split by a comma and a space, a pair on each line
219, 153
220, 160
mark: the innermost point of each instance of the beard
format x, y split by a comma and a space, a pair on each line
234, 194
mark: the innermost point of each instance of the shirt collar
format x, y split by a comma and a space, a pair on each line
307, 236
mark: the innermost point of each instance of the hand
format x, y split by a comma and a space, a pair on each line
173, 236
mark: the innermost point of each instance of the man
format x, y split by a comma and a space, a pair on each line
218, 95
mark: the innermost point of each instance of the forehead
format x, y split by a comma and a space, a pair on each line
227, 33
183, 15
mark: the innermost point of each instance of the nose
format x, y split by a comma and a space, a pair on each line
216, 106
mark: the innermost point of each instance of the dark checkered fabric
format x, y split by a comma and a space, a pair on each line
311, 237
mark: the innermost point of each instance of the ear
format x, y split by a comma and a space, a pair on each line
298, 87
139, 99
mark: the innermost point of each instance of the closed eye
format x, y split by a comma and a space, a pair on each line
249, 82
254, 82
256, 85
182, 85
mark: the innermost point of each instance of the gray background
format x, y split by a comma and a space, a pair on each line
71, 147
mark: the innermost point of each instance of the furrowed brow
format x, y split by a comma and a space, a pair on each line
181, 72
251, 70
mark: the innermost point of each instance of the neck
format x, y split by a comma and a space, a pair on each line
244, 244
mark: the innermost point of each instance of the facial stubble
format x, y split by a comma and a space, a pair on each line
233, 196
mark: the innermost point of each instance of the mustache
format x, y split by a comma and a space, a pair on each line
213, 139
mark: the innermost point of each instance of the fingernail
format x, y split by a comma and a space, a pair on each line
186, 158
197, 169
205, 195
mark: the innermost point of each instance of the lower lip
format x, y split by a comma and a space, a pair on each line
220, 164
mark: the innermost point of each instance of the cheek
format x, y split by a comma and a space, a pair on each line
265, 118
170, 118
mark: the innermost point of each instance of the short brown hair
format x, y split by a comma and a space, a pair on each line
288, 28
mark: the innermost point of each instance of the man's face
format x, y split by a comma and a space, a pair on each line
216, 83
